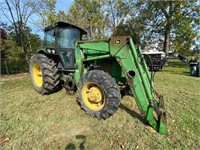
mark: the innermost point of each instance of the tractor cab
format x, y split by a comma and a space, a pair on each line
62, 35
59, 40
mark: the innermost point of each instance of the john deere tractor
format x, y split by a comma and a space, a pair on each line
98, 70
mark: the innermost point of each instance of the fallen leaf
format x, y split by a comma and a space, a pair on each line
111, 142
119, 136
59, 147
46, 114
5, 140
122, 146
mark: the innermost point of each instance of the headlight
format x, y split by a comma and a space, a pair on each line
48, 50
53, 51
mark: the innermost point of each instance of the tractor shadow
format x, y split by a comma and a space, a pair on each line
133, 113
72, 146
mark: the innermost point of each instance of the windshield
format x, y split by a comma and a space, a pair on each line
66, 37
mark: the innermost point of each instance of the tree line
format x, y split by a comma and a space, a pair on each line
172, 24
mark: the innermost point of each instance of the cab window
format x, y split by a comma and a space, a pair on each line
66, 37
49, 39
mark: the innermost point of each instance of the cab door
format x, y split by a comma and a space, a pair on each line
65, 45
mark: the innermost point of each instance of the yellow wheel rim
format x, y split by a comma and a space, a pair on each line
93, 96
37, 75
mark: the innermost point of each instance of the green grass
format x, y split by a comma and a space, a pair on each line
32, 121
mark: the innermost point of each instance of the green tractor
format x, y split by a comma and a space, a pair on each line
98, 70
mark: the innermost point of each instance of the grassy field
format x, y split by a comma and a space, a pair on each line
31, 121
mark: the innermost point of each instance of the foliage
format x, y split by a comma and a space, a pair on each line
185, 36
118, 11
127, 29
89, 15
173, 22
13, 66
11, 47
48, 13
18, 13
12, 57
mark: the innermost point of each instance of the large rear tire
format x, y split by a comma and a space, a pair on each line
98, 94
44, 74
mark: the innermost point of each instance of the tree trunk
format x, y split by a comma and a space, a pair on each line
25, 55
167, 40
29, 43
167, 43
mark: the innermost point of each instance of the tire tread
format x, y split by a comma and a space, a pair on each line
111, 91
51, 75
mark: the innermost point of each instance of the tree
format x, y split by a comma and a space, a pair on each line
18, 12
89, 15
127, 29
11, 45
47, 13
118, 11
166, 19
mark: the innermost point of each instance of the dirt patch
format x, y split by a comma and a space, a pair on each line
12, 76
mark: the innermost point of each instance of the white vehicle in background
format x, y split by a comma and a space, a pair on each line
154, 55
154, 59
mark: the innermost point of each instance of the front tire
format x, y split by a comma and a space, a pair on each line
98, 94
44, 74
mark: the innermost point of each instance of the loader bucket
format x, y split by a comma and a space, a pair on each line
157, 119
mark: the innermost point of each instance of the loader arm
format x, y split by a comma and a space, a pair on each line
140, 83
134, 69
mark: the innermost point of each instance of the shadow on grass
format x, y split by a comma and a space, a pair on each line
133, 113
177, 64
72, 146
175, 71
177, 67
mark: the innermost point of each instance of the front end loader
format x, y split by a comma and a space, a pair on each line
99, 71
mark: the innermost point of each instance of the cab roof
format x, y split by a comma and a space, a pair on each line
65, 24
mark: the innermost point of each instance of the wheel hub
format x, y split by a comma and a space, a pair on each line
93, 96
37, 75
